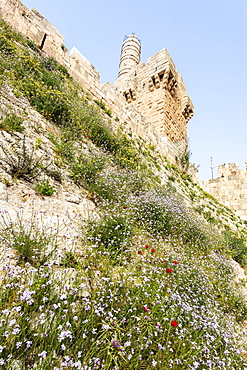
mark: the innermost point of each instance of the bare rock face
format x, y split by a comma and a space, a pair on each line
63, 211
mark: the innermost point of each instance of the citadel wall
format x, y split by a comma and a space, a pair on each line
150, 100
230, 188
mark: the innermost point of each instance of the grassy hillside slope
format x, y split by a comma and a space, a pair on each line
143, 280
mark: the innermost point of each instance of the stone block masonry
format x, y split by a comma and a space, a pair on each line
149, 100
230, 188
157, 91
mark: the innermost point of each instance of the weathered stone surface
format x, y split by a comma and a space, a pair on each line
158, 92
230, 188
3, 193
66, 208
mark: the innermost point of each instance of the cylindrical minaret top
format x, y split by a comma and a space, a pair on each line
130, 54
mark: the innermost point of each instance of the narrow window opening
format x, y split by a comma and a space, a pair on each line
161, 75
43, 42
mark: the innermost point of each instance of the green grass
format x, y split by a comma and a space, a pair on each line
32, 240
45, 188
12, 122
20, 160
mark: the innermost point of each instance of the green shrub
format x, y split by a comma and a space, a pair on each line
31, 44
209, 217
186, 177
192, 195
12, 122
51, 103
45, 188
70, 259
118, 184
33, 241
49, 63
118, 144
42, 82
52, 80
111, 234
237, 245
171, 178
7, 46
125, 153
199, 209
183, 162
102, 105
63, 147
101, 134
163, 214
20, 161
54, 173
9, 33
64, 71
85, 168
38, 143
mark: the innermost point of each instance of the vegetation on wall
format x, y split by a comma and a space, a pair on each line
12, 122
149, 284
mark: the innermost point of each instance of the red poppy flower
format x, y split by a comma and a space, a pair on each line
175, 262
139, 252
147, 246
174, 324
145, 308
125, 207
153, 250
163, 261
168, 270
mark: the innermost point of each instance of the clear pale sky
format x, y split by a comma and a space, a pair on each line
207, 40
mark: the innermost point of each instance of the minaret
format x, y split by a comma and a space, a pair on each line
130, 54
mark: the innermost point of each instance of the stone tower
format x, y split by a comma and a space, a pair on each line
130, 54
156, 90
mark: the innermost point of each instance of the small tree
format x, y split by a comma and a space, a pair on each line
183, 161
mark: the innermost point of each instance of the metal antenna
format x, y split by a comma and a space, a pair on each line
212, 168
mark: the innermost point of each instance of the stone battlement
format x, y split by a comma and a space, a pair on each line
149, 99
230, 188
